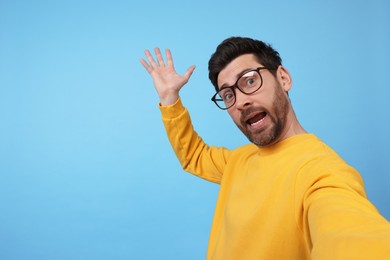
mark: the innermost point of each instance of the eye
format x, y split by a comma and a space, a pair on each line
249, 82
228, 97
226, 94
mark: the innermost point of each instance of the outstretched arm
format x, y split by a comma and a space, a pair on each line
165, 78
194, 155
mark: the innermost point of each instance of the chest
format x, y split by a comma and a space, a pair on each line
259, 191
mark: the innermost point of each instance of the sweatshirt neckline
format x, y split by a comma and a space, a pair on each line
286, 143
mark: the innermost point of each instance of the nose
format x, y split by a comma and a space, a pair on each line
242, 100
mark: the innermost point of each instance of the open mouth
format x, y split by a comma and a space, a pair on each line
256, 119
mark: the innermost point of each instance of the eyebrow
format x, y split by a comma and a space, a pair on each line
238, 75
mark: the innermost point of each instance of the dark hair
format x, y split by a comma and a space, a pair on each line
233, 47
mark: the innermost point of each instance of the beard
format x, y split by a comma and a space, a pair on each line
277, 115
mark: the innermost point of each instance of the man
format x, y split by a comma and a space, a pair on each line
285, 196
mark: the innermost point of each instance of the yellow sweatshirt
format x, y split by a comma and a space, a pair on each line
294, 200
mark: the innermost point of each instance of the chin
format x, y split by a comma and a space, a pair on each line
263, 142
266, 137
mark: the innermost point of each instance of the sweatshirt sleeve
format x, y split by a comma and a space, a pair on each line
341, 223
194, 155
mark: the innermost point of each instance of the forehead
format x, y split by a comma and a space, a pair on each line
231, 72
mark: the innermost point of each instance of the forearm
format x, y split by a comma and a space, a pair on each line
194, 155
342, 223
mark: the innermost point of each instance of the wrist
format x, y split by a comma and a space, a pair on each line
169, 99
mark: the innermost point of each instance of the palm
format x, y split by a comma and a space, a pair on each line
167, 78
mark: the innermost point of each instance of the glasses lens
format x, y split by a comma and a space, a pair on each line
227, 97
250, 82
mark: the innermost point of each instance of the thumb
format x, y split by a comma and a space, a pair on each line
189, 72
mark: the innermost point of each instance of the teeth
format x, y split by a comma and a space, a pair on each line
255, 123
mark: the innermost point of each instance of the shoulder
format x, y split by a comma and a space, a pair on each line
321, 166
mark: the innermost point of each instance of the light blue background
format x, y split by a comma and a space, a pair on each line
86, 171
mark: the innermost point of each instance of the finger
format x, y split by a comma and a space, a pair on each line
146, 65
149, 56
159, 57
189, 72
169, 58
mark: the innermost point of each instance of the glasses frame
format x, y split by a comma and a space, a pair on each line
235, 86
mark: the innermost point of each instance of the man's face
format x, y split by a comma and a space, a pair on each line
263, 115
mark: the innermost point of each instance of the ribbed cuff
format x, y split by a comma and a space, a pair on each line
172, 111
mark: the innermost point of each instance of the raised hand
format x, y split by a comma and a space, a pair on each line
165, 78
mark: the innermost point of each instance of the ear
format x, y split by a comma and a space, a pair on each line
284, 78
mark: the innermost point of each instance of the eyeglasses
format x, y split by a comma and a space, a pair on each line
248, 83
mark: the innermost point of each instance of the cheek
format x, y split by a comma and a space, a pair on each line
235, 115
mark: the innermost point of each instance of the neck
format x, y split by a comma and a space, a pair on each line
293, 127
